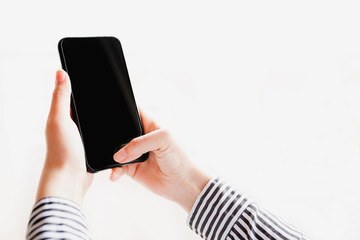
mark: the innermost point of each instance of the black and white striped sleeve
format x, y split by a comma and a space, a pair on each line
221, 212
57, 218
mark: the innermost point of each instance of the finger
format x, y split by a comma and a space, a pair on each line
143, 116
61, 96
116, 173
148, 123
153, 141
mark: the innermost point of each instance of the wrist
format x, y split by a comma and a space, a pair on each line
190, 187
54, 183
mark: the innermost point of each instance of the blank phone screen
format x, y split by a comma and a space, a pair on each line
103, 101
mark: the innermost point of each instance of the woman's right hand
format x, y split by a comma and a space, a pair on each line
167, 172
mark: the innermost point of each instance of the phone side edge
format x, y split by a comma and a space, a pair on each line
72, 105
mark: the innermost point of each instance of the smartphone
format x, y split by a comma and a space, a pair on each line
102, 101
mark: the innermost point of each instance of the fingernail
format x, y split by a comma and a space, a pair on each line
60, 77
121, 155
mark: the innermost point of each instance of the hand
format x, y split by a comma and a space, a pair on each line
64, 173
167, 172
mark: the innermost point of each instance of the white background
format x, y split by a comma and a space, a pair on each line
264, 93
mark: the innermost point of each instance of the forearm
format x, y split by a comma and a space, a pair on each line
57, 183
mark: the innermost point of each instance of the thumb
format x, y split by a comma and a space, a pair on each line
60, 103
153, 141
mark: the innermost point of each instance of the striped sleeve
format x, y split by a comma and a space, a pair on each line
57, 218
221, 212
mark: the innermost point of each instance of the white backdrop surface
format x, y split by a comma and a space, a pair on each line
263, 93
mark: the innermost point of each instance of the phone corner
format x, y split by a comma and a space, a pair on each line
60, 43
90, 169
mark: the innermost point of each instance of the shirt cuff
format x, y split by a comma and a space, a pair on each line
54, 217
216, 209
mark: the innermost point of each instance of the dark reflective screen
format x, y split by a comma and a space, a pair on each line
106, 111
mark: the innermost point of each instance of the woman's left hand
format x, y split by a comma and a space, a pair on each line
64, 173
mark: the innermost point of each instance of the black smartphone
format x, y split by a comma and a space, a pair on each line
102, 102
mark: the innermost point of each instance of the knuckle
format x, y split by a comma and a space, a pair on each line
164, 133
57, 92
52, 125
136, 142
60, 91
